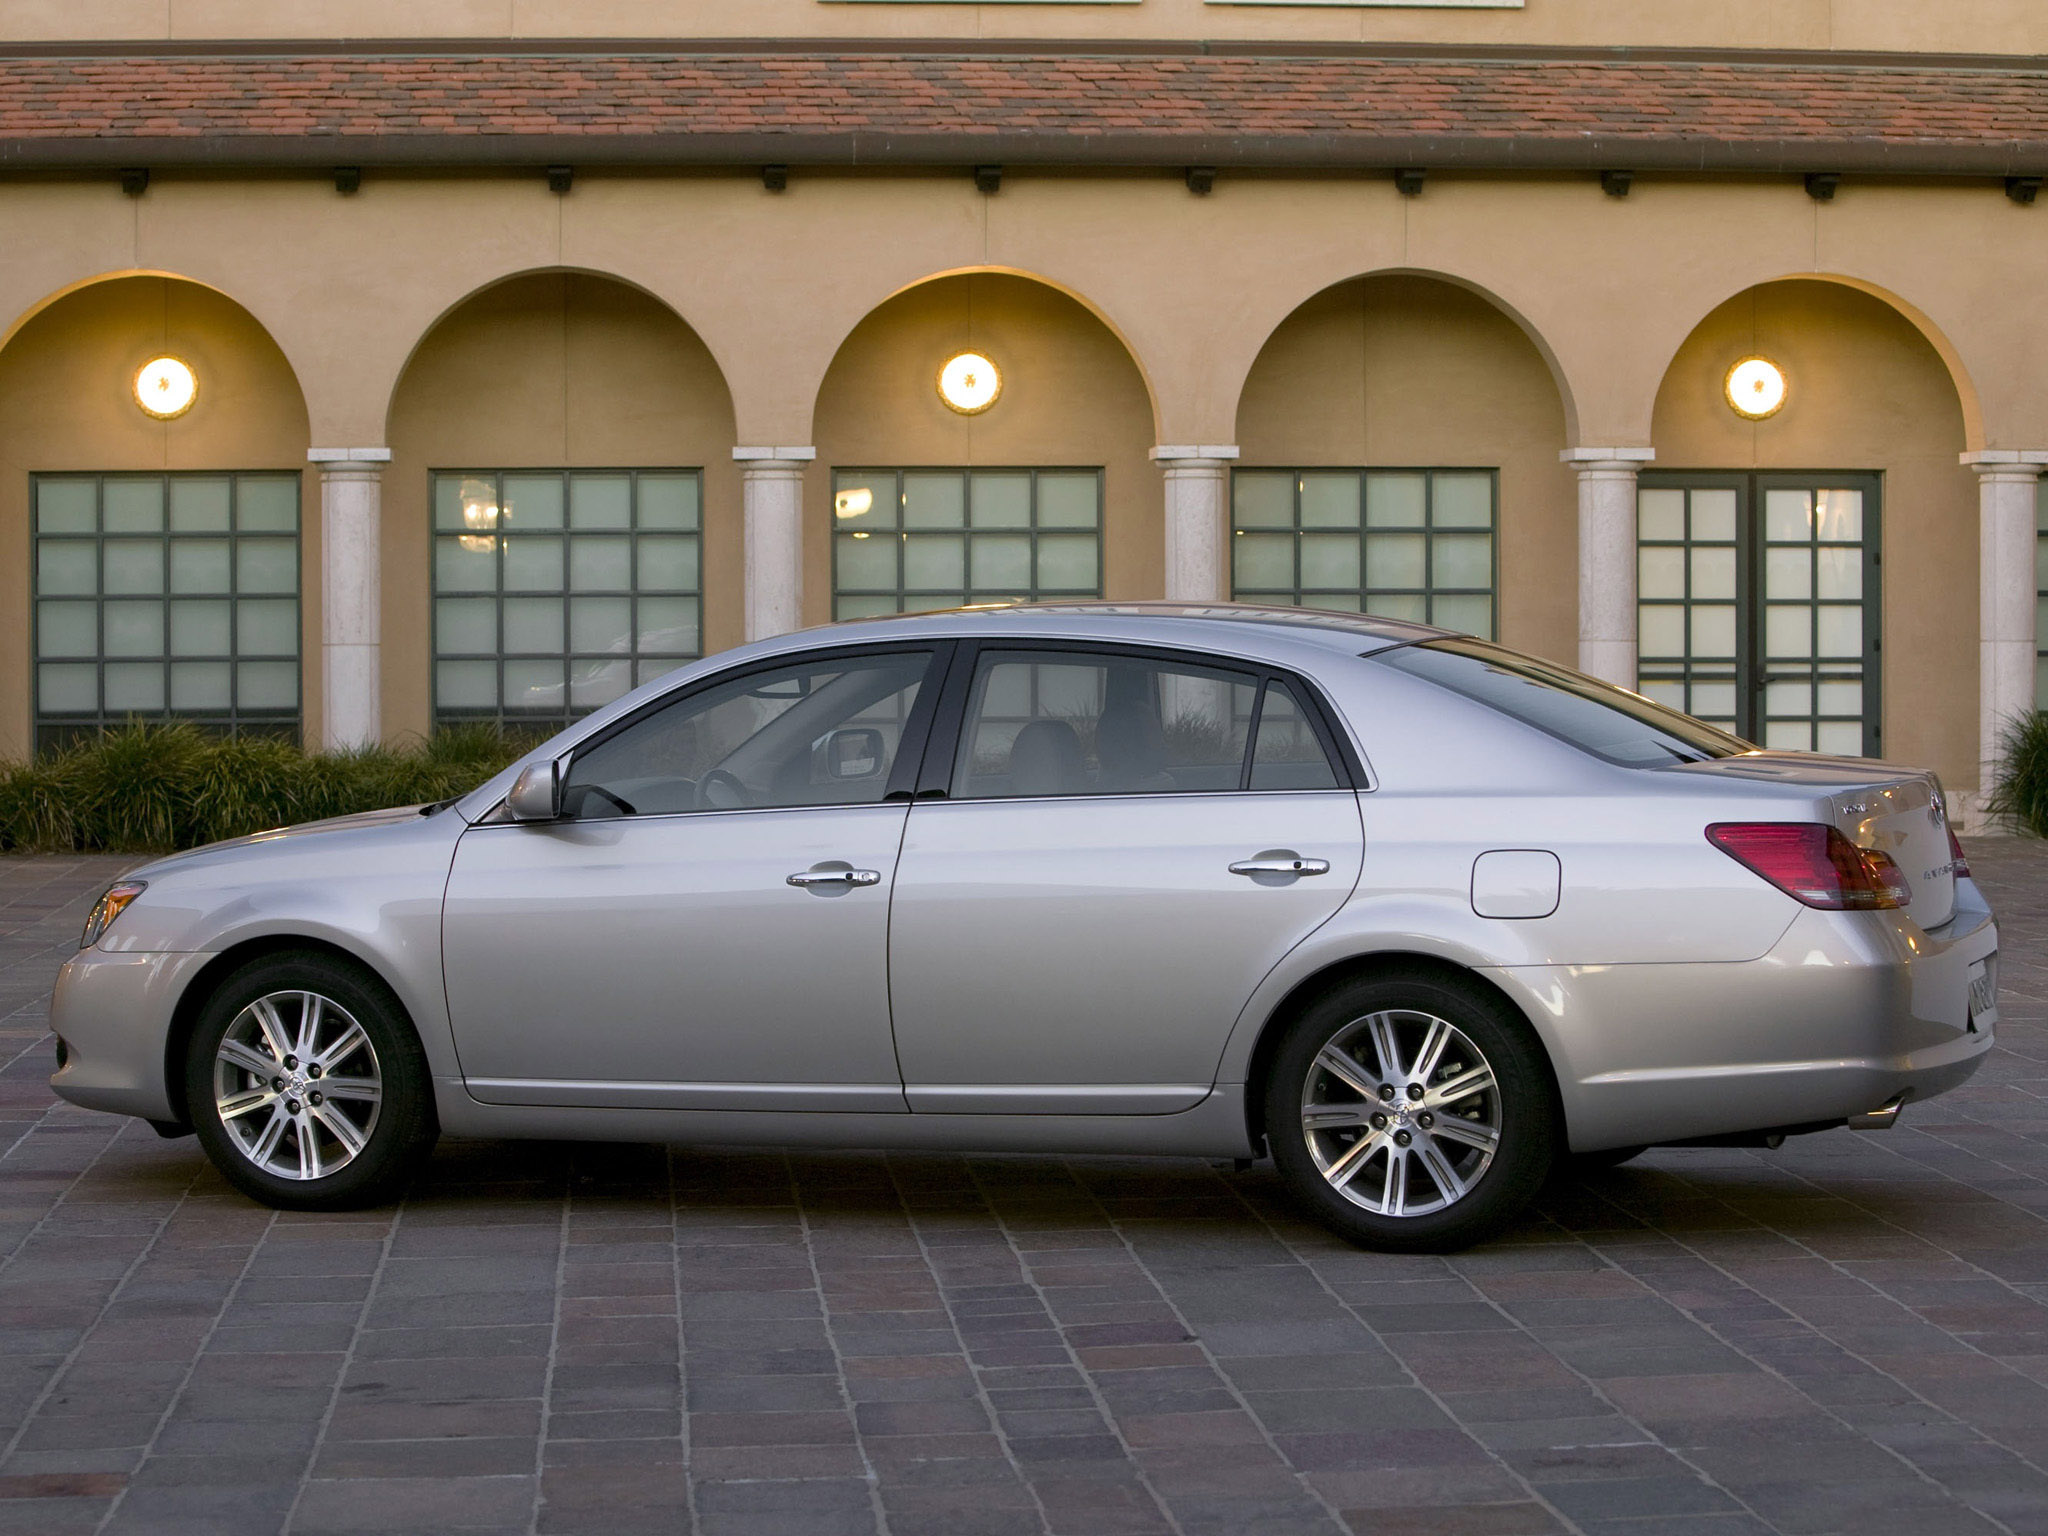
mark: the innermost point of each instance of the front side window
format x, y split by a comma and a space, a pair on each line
557, 591
1043, 723
1593, 716
911, 540
166, 597
822, 732
1415, 544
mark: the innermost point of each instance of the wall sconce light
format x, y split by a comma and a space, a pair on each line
1756, 388
166, 387
479, 516
970, 384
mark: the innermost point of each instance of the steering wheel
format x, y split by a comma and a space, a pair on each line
730, 794
624, 807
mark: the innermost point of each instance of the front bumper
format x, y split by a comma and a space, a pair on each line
113, 1011
1846, 1012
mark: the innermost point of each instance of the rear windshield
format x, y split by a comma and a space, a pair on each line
1593, 716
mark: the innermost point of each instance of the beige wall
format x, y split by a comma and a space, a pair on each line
1072, 398
1393, 371
1867, 393
2015, 26
66, 403
556, 371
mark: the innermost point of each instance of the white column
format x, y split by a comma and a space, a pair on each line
351, 594
772, 497
2006, 485
1607, 559
1197, 521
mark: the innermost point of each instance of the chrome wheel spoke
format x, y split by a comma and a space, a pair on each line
366, 1089
350, 1040
1386, 1046
243, 1103
1336, 1117
1346, 1071
309, 1152
311, 1006
265, 1013
1356, 1156
352, 1140
1471, 1132
1394, 1191
1472, 1080
1441, 1173
1432, 1052
248, 1058
273, 1132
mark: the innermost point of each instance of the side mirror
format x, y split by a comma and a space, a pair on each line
856, 752
536, 795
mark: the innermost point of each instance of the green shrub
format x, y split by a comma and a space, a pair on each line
2021, 793
153, 788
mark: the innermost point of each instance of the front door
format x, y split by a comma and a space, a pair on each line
1758, 605
1128, 845
707, 926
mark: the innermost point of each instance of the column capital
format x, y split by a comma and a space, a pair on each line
774, 455
366, 458
2019, 462
1214, 453
1619, 458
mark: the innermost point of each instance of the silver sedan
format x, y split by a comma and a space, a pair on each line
1417, 916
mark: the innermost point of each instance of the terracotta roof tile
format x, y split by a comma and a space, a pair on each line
1065, 108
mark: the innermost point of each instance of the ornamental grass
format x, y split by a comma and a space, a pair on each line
2021, 794
147, 788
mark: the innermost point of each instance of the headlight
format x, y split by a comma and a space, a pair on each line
108, 907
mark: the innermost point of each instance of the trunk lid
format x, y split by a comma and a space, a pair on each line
1896, 810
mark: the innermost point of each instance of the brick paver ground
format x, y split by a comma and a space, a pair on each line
1848, 1335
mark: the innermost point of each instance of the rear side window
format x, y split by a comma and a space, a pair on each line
1053, 723
1595, 717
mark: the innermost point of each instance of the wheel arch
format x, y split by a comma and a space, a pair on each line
208, 979
1306, 992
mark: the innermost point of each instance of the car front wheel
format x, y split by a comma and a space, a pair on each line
1411, 1112
307, 1085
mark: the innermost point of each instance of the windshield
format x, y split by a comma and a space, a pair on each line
1593, 716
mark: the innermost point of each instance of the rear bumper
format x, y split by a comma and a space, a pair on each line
113, 1012
1846, 1012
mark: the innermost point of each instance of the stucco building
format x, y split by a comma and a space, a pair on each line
532, 345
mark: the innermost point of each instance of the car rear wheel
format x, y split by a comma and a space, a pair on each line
307, 1085
1411, 1112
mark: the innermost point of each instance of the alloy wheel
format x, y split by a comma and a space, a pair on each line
1401, 1112
297, 1085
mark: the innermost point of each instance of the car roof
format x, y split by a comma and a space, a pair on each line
1228, 626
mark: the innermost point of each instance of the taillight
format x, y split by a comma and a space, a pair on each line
1955, 852
1812, 862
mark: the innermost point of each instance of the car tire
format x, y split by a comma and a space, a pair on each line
1433, 1150
307, 1085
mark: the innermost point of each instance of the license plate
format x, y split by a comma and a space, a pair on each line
1984, 992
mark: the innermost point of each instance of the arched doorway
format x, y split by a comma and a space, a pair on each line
560, 519
1398, 445
1044, 492
1807, 574
158, 550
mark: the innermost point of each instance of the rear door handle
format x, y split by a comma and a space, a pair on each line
845, 877
1280, 861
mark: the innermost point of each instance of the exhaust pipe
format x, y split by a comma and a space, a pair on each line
1883, 1118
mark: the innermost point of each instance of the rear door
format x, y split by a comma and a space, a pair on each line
1126, 844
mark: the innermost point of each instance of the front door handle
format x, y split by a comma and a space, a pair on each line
1280, 861
837, 874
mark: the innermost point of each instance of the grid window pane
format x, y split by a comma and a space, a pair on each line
556, 591
1404, 544
909, 540
165, 588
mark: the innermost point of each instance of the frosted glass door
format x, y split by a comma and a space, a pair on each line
1757, 606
